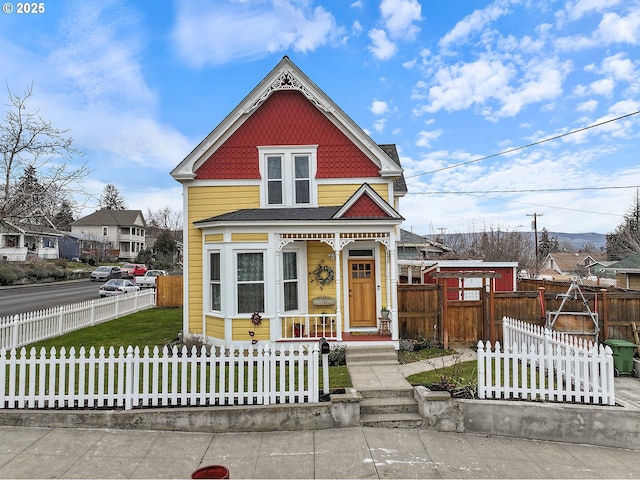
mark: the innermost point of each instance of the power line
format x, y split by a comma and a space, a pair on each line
538, 142
528, 190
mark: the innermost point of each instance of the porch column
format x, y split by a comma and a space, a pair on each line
392, 288
275, 330
338, 277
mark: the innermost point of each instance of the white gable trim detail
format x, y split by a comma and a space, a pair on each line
287, 81
366, 189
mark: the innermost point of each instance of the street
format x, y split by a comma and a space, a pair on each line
27, 298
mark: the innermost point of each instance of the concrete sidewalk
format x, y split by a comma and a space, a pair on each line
338, 453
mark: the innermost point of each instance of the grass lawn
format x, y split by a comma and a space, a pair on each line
155, 326
405, 356
152, 327
461, 373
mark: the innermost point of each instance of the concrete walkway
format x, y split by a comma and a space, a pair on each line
375, 377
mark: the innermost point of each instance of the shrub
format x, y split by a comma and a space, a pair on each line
338, 356
9, 274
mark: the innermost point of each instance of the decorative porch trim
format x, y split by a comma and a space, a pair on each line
340, 240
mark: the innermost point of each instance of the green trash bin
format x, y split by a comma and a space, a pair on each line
623, 352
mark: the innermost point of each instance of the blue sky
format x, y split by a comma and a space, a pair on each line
140, 84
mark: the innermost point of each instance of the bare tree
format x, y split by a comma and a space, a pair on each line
35, 155
164, 219
493, 244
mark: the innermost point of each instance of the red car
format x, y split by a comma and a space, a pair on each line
131, 270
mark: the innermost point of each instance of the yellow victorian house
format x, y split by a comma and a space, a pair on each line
290, 222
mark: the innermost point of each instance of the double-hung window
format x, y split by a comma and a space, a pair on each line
214, 281
290, 280
250, 282
287, 174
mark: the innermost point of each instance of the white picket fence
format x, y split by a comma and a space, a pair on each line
540, 364
26, 328
130, 378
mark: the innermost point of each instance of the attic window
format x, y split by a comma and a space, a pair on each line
288, 174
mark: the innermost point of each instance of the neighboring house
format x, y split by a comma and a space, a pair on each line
28, 239
563, 266
627, 272
120, 232
290, 210
415, 247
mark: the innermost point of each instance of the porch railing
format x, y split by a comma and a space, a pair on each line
311, 326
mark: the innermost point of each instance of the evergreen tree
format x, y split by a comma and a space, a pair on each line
547, 244
111, 199
64, 217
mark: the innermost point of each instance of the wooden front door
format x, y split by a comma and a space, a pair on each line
362, 293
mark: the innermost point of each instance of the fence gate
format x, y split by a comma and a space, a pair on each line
467, 306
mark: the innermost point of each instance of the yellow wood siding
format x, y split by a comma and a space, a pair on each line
332, 195
215, 327
249, 237
242, 326
205, 202
316, 253
214, 238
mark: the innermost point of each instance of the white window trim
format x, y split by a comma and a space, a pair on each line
207, 282
302, 279
288, 153
237, 252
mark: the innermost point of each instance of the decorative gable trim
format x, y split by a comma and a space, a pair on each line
362, 201
287, 81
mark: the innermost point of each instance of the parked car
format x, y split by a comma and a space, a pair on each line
117, 286
131, 270
106, 272
148, 280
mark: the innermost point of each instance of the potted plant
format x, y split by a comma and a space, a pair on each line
384, 313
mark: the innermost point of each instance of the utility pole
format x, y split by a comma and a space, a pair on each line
535, 230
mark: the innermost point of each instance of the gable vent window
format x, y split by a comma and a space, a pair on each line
287, 174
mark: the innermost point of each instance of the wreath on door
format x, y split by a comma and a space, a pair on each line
322, 274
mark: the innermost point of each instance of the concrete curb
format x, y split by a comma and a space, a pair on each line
582, 424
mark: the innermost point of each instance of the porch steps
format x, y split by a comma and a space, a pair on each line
387, 398
372, 355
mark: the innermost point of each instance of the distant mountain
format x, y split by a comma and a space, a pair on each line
577, 240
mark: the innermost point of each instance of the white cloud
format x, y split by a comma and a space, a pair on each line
381, 47
577, 9
426, 137
216, 32
588, 106
602, 87
541, 81
399, 17
616, 29
378, 107
471, 24
459, 86
379, 124
619, 67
